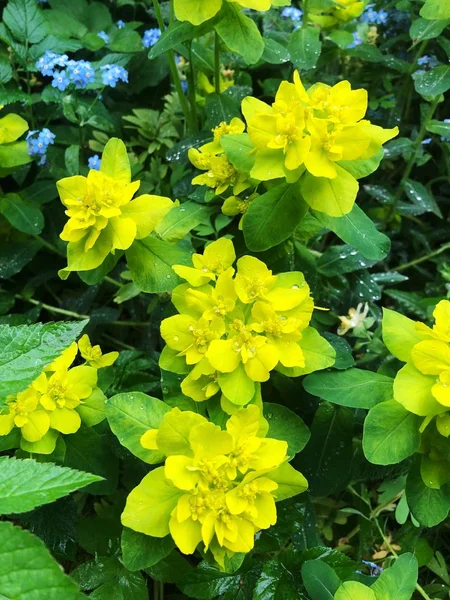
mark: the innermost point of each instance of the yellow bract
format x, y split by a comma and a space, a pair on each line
236, 327
342, 12
57, 401
198, 11
103, 217
13, 153
217, 488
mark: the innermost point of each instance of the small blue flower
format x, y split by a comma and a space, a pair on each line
184, 85
374, 568
60, 80
80, 72
94, 162
290, 12
383, 16
111, 74
423, 60
370, 15
444, 138
49, 61
37, 144
151, 36
357, 41
426, 141
104, 36
120, 24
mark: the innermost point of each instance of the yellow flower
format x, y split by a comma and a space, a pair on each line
235, 126
217, 488
422, 386
25, 413
198, 11
201, 383
191, 337
234, 206
356, 317
220, 175
342, 12
216, 258
93, 354
311, 136
103, 217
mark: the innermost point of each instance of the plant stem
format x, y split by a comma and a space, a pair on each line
305, 13
174, 71
422, 259
191, 86
217, 62
416, 146
406, 91
52, 309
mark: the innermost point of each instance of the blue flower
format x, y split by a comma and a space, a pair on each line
60, 80
111, 74
151, 36
37, 144
120, 24
444, 138
80, 72
94, 162
290, 12
423, 60
357, 41
379, 17
426, 141
374, 568
184, 85
47, 63
104, 36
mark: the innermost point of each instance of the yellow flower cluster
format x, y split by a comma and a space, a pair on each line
58, 400
217, 488
235, 326
103, 217
341, 11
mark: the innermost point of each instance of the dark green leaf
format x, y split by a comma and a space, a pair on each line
286, 425
304, 47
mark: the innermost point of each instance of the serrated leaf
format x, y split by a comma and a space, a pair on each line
25, 21
25, 484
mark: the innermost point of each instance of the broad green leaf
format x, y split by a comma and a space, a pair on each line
87, 450
26, 349
23, 216
274, 53
422, 197
276, 582
363, 168
273, 217
14, 256
25, 484
359, 231
398, 581
207, 582
286, 425
367, 52
428, 506
333, 197
6, 72
342, 259
353, 590
238, 148
435, 9
423, 29
290, 482
341, 38
150, 262
434, 82
25, 21
219, 108
326, 459
28, 571
177, 33
72, 159
344, 359
180, 220
319, 354
439, 127
391, 433
399, 334
14, 154
319, 579
240, 33
141, 551
130, 415
305, 47
354, 388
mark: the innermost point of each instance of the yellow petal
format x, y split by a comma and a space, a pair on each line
147, 211
36, 427
186, 534
65, 420
431, 357
222, 356
413, 390
177, 470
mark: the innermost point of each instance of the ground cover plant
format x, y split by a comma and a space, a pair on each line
224, 299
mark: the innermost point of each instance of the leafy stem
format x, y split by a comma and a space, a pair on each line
217, 62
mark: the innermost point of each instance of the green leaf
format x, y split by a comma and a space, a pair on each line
219, 108
15, 153
290, 482
87, 450
72, 159
276, 582
423, 29
434, 82
342, 259
237, 149
367, 52
180, 220
435, 9
305, 47
399, 581
273, 217
25, 484
341, 38
110, 580
353, 590
26, 349
286, 425
27, 570
359, 231
428, 506
354, 388
363, 168
344, 359
326, 460
14, 256
421, 197
240, 33
391, 433
274, 53
439, 127
130, 415
206, 582
25, 21
141, 551
150, 262
23, 216
177, 33
319, 579
6, 71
